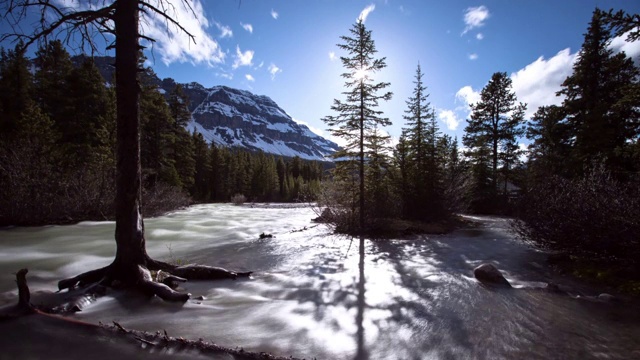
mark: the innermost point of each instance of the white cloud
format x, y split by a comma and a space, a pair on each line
274, 70
475, 17
274, 14
250, 78
225, 75
173, 45
473, 56
449, 118
467, 95
225, 31
332, 56
632, 49
479, 36
247, 27
243, 58
365, 12
537, 83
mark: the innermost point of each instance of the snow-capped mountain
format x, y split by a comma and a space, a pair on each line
238, 118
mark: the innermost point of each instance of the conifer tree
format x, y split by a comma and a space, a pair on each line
53, 70
601, 100
422, 136
88, 124
358, 113
15, 89
202, 175
494, 124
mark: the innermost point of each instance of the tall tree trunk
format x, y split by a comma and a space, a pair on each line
361, 170
129, 224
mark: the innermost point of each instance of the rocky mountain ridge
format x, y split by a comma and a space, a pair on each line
238, 118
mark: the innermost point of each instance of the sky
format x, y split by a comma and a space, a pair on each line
287, 50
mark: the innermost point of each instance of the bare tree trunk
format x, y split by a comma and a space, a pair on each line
129, 235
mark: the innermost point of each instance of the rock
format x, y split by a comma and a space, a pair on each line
606, 297
266, 236
559, 289
489, 274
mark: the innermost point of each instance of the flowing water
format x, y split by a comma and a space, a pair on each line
417, 300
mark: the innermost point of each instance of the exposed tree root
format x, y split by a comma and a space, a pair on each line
140, 278
84, 279
154, 342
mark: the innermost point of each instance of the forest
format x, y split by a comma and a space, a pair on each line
57, 147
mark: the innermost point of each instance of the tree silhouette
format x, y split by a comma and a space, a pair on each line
357, 114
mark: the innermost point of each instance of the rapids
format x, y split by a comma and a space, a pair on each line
306, 298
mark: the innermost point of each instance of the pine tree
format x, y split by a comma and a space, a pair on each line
53, 70
358, 113
157, 139
494, 125
15, 89
550, 147
602, 100
377, 186
87, 124
202, 175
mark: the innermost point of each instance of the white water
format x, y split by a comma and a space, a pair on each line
421, 300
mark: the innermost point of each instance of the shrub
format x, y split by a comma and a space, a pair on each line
593, 216
238, 199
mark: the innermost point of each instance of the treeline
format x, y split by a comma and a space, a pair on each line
57, 147
374, 183
575, 189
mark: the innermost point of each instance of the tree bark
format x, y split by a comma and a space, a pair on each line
129, 235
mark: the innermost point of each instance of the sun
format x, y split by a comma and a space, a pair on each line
360, 74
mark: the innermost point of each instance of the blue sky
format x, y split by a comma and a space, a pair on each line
287, 49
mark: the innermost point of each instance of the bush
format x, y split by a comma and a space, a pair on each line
162, 198
594, 216
238, 199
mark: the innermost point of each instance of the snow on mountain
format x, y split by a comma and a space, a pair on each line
232, 117
239, 118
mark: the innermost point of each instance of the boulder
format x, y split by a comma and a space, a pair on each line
490, 275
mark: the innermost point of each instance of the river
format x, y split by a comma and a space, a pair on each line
417, 300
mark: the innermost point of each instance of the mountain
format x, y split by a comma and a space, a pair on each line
238, 118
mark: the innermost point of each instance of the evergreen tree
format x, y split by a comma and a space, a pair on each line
183, 147
157, 139
550, 147
492, 130
15, 89
377, 184
87, 125
402, 178
53, 70
202, 175
602, 99
358, 113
